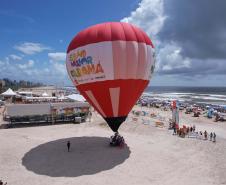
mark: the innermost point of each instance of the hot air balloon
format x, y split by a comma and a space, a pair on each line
111, 64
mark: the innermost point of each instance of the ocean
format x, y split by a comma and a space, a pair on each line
208, 95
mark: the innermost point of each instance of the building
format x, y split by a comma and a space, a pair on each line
46, 112
2, 85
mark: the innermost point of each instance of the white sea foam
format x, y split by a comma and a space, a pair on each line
187, 96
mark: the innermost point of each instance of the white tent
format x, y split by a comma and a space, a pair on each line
44, 94
62, 97
25, 93
76, 97
9, 92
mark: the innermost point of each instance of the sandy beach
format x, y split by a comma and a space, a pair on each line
38, 155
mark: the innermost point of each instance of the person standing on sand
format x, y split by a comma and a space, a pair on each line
193, 128
200, 134
174, 130
214, 137
89, 116
188, 129
205, 135
68, 146
211, 136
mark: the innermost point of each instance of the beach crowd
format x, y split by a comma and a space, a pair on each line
192, 133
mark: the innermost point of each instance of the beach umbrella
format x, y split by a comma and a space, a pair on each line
111, 64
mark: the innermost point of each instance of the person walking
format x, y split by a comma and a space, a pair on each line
68, 146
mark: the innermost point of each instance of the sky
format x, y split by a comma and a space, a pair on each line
189, 37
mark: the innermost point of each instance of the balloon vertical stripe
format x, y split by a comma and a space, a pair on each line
94, 101
115, 94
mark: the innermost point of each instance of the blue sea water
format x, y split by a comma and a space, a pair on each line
209, 95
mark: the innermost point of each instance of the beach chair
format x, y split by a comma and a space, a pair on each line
153, 115
134, 119
144, 113
146, 122
159, 124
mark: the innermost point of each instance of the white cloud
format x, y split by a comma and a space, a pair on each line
6, 59
169, 58
46, 70
27, 65
57, 56
59, 68
15, 57
149, 16
30, 48
53, 73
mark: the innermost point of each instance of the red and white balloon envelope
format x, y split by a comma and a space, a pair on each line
111, 64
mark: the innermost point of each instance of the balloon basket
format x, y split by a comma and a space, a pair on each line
117, 140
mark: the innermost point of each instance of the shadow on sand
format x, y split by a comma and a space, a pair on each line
88, 155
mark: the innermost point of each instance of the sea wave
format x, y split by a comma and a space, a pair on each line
187, 96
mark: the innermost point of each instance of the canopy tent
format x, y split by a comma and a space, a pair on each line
9, 92
44, 94
41, 98
61, 97
76, 97
25, 93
